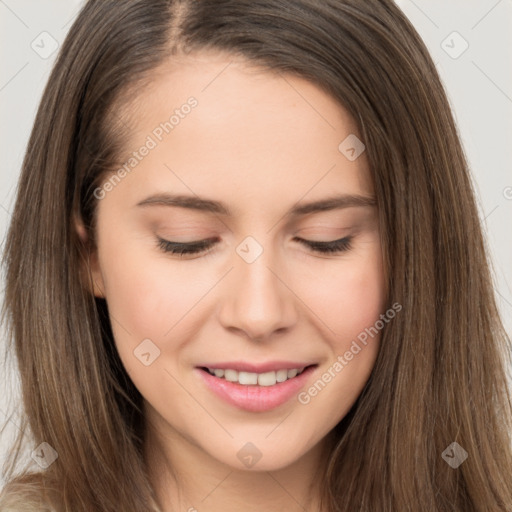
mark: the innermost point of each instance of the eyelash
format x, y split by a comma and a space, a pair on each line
204, 246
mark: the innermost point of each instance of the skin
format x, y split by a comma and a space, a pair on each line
258, 142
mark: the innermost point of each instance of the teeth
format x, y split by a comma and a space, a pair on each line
231, 375
267, 379
281, 375
247, 378
261, 379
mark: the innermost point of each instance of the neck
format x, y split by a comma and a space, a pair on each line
186, 478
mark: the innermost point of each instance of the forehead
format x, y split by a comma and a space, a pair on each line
252, 134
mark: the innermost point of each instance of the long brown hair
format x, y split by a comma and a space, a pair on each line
440, 376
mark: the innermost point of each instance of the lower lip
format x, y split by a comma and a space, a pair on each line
255, 398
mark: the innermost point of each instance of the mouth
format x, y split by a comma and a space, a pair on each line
256, 391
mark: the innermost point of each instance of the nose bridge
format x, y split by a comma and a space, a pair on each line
256, 302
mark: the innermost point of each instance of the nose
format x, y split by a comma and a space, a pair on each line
256, 300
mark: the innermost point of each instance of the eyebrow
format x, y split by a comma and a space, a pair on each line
211, 206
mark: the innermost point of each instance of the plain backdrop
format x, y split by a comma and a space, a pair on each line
470, 42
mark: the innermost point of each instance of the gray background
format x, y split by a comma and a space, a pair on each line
478, 82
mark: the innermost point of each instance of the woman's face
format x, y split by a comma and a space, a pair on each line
234, 154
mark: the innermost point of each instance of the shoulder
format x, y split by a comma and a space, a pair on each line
27, 493
33, 493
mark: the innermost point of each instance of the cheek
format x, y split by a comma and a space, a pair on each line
354, 302
148, 300
361, 299
351, 297
147, 295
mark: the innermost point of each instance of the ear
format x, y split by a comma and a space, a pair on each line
90, 272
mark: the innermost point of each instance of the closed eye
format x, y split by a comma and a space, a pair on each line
204, 246
188, 248
334, 246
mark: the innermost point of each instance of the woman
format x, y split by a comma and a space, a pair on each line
245, 270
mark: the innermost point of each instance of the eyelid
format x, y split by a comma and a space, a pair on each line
205, 246
194, 247
325, 247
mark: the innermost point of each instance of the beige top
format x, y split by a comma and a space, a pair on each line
23, 497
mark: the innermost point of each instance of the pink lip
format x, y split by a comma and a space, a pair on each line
255, 398
242, 366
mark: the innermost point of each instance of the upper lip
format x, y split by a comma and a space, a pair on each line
269, 366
